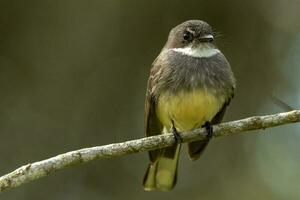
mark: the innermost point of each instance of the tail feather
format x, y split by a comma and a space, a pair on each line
162, 174
196, 149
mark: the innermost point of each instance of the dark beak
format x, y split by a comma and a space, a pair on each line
206, 38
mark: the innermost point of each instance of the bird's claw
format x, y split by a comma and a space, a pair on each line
176, 135
209, 130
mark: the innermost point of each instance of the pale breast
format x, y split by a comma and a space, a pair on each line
188, 109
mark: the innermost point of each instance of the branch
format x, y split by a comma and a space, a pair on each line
42, 168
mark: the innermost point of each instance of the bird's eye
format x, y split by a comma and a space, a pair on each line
188, 36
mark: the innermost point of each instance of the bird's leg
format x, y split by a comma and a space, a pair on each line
209, 130
176, 135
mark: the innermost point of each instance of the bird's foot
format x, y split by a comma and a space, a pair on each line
176, 135
209, 130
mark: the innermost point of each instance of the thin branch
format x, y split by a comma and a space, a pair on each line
42, 168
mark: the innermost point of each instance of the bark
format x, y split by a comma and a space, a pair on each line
42, 168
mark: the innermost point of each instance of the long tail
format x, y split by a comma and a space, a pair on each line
162, 174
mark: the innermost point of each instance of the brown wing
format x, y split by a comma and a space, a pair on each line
152, 123
195, 149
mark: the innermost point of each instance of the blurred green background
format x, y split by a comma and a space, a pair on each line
73, 74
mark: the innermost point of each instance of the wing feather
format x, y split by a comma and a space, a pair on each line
152, 123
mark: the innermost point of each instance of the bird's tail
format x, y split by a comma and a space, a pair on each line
162, 173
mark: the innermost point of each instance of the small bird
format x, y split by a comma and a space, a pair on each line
190, 85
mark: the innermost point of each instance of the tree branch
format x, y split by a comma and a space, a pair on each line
42, 168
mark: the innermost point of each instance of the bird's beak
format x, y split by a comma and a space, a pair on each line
206, 38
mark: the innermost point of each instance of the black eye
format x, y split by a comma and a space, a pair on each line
188, 36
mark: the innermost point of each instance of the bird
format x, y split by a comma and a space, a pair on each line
190, 85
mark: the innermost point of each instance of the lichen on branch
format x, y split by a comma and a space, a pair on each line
42, 168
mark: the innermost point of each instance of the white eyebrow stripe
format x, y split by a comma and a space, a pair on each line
197, 52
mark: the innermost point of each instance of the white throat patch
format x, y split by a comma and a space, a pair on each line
203, 52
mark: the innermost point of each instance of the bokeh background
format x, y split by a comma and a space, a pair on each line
73, 74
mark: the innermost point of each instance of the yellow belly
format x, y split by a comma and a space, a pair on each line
188, 109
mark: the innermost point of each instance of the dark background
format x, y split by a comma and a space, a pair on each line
73, 74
